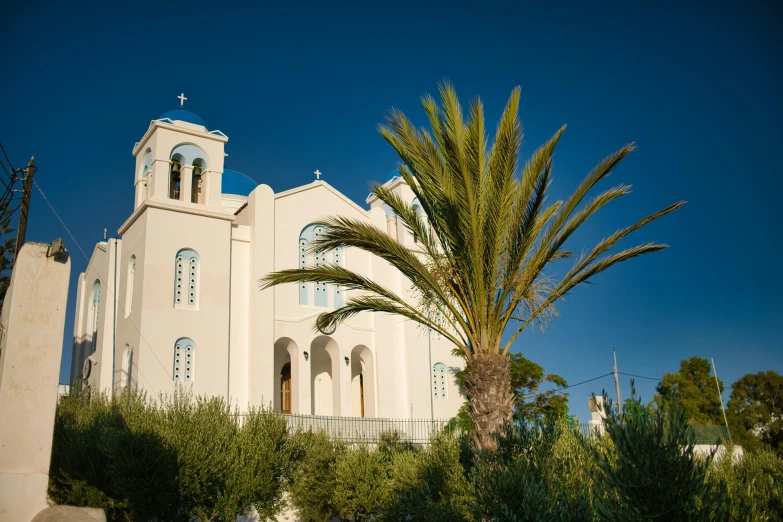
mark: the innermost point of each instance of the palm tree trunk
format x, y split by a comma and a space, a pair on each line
490, 398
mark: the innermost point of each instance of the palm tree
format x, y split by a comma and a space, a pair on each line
481, 254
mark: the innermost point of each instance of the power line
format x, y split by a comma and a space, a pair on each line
60, 220
577, 384
640, 376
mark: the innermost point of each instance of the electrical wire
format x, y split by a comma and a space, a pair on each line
574, 385
640, 376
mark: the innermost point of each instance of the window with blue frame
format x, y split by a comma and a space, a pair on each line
309, 235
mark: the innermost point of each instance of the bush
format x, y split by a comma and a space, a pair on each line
313, 477
752, 486
361, 483
429, 484
650, 471
539, 472
174, 459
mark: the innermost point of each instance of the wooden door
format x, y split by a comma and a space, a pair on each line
361, 392
285, 389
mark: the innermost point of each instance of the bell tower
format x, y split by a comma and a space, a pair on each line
179, 160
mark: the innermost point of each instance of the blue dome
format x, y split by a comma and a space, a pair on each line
183, 115
237, 183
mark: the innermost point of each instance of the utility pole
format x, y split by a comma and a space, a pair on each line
24, 210
617, 385
720, 398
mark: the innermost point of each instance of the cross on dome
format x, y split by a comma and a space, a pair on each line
182, 99
317, 174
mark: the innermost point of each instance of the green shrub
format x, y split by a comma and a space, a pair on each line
537, 473
361, 483
107, 454
752, 486
650, 471
429, 484
174, 459
313, 477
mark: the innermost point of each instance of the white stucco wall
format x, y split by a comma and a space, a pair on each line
244, 336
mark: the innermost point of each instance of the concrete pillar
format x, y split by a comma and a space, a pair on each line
185, 183
304, 384
32, 319
346, 395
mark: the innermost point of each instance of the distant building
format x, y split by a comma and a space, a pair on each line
176, 299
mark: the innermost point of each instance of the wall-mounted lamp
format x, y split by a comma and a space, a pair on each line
307, 355
347, 361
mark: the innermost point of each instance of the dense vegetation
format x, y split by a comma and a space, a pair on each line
183, 458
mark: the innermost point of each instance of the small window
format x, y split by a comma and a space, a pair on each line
186, 279
129, 289
94, 314
184, 360
440, 388
127, 368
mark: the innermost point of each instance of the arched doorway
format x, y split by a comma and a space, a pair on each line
285, 376
362, 382
285, 388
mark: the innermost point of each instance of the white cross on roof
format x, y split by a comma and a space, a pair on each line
182, 99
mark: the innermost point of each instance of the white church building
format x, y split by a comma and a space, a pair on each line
175, 301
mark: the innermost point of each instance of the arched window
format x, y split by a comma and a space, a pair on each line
184, 360
127, 368
440, 389
309, 235
129, 289
94, 313
186, 276
196, 184
175, 178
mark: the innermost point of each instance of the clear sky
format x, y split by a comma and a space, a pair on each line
302, 87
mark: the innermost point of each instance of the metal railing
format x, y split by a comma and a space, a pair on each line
364, 429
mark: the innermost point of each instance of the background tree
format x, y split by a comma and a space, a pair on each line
694, 384
481, 258
755, 410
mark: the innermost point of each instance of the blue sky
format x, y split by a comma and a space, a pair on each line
302, 86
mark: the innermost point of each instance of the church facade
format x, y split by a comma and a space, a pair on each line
175, 301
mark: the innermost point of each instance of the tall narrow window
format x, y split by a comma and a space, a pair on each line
338, 258
129, 289
439, 383
175, 176
307, 238
127, 368
184, 360
94, 313
186, 279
